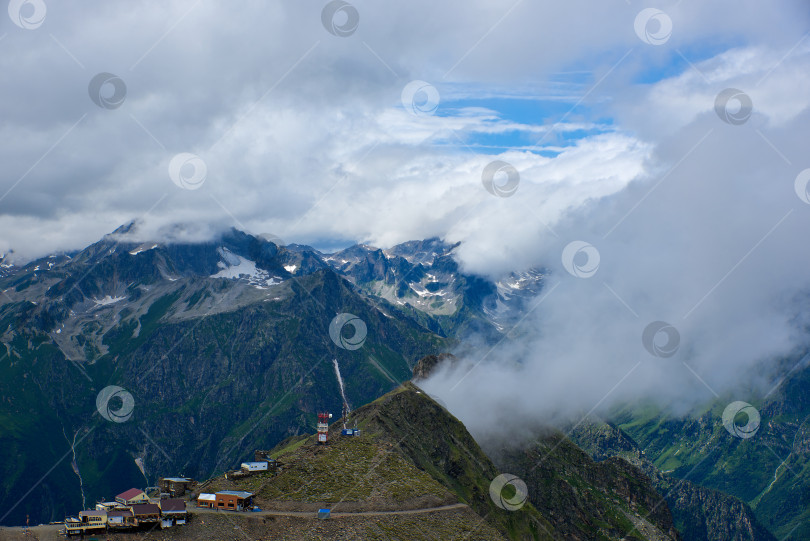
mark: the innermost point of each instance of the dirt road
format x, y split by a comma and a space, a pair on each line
313, 514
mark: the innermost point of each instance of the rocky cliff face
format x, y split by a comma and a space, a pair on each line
429, 363
423, 280
699, 512
703, 513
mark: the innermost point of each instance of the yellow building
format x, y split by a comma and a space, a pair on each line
132, 496
88, 521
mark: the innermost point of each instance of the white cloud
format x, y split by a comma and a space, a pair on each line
764, 73
706, 238
311, 105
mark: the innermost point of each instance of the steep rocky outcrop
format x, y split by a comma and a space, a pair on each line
699, 512
430, 363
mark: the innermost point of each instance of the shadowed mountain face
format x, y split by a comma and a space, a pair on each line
584, 499
718, 484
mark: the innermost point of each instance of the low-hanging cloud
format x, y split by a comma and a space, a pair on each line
688, 284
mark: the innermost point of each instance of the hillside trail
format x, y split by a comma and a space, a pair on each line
49, 532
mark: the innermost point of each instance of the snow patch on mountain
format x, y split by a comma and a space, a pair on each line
144, 248
108, 300
236, 267
513, 291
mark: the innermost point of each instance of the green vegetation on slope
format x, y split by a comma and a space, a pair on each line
769, 471
411, 454
585, 499
699, 512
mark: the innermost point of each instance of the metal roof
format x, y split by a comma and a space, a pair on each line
237, 493
207, 497
146, 509
129, 494
119, 513
177, 479
173, 504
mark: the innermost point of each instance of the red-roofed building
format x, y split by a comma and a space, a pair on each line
132, 496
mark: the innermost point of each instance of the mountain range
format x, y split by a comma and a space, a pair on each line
131, 360
223, 346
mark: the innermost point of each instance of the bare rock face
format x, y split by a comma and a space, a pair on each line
428, 364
